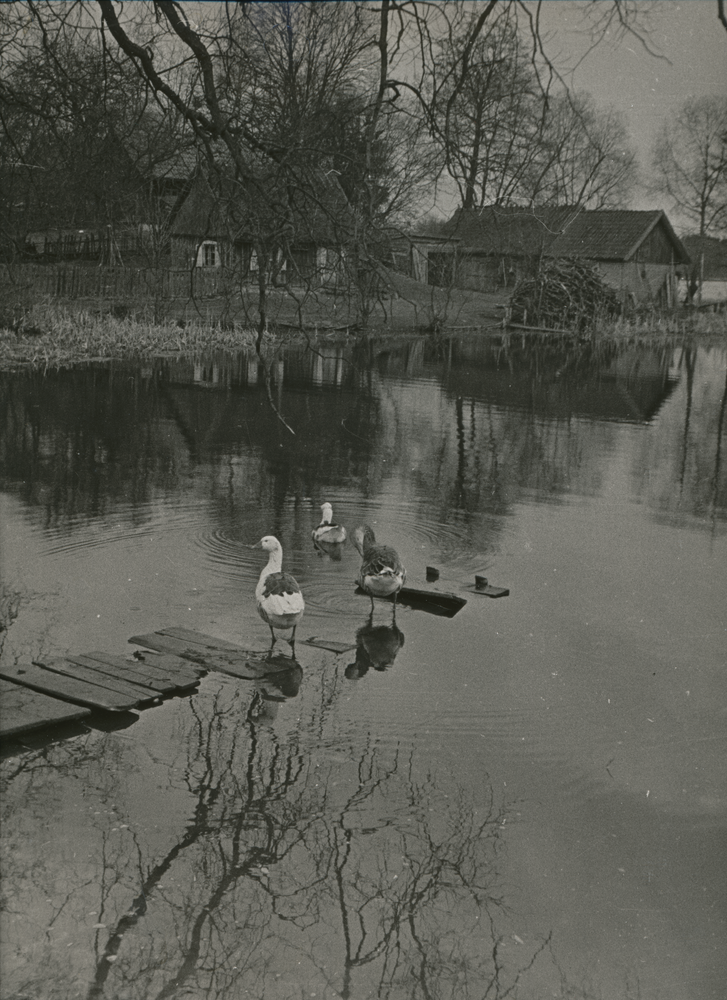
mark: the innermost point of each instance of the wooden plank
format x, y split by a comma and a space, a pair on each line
117, 668
208, 641
436, 602
161, 673
22, 710
330, 644
67, 688
237, 663
167, 644
489, 591
86, 669
176, 666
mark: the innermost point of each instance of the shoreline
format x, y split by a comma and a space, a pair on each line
59, 336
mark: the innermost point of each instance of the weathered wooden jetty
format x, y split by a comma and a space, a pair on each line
169, 662
72, 687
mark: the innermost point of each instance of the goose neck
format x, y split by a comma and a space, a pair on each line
275, 562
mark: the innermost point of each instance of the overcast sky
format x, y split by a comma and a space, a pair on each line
620, 72
647, 89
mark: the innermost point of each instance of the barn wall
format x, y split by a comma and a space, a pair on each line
492, 273
656, 248
640, 283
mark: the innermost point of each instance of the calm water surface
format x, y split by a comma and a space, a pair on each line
530, 801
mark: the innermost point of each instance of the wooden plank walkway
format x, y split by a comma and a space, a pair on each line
65, 688
172, 661
22, 710
212, 653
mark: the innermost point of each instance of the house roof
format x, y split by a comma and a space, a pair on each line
714, 267
181, 166
305, 208
561, 231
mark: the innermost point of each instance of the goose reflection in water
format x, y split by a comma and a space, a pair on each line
376, 646
271, 690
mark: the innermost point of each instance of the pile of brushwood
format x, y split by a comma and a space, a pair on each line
565, 294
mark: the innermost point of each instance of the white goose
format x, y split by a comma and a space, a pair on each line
382, 572
326, 531
279, 598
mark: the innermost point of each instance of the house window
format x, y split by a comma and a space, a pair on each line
208, 254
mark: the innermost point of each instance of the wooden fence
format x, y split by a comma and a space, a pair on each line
31, 282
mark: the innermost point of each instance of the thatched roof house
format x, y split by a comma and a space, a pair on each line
637, 253
299, 222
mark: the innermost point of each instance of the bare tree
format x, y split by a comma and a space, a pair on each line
275, 96
583, 156
689, 164
487, 124
82, 142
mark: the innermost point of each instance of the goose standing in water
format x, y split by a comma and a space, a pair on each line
327, 531
279, 598
329, 538
382, 572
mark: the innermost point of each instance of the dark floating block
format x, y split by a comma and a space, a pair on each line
432, 573
480, 582
434, 602
489, 591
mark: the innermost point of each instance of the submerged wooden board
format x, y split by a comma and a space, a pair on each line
329, 644
489, 591
147, 675
22, 710
211, 653
65, 688
89, 672
435, 602
201, 639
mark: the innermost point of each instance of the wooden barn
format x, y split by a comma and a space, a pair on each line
427, 258
637, 253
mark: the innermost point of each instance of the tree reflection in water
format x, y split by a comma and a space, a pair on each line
299, 863
262, 849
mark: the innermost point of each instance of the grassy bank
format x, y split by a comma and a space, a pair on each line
52, 335
53, 332
60, 335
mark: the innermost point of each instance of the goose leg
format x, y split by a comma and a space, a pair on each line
292, 638
272, 634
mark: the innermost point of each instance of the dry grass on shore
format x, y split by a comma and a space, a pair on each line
54, 335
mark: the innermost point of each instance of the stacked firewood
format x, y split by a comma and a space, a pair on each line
565, 294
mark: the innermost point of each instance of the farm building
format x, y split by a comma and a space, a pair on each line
301, 228
706, 283
637, 253
124, 223
426, 258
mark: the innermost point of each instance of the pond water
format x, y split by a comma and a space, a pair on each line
525, 800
